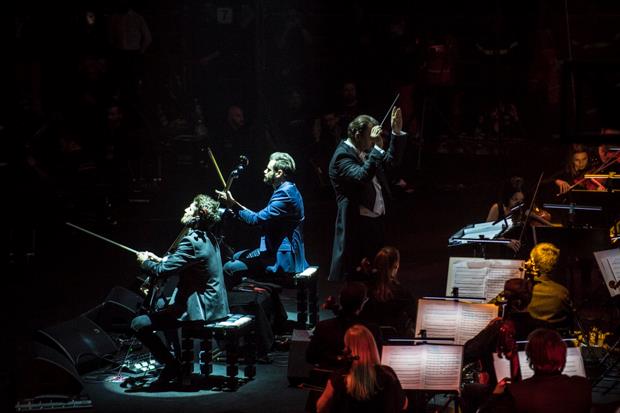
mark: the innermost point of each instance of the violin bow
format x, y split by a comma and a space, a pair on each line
529, 210
610, 162
126, 248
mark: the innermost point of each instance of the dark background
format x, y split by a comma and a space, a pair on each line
485, 93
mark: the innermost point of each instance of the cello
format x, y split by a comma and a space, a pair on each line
155, 289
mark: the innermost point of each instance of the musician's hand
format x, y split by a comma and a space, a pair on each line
376, 136
142, 256
501, 386
563, 185
153, 257
146, 256
226, 198
514, 245
397, 121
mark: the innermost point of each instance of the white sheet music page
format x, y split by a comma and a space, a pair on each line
524, 366
426, 366
499, 272
574, 363
501, 366
609, 263
437, 317
453, 319
473, 318
478, 277
466, 274
443, 367
407, 362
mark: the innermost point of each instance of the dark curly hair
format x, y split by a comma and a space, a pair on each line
208, 213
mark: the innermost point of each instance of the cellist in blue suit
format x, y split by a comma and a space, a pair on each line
281, 248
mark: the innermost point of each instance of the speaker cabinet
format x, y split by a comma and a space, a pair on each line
114, 315
85, 344
53, 373
298, 368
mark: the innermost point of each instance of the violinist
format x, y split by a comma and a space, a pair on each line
511, 202
510, 196
281, 249
577, 165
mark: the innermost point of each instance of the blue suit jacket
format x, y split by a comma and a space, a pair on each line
281, 222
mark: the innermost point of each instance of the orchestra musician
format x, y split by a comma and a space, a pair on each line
550, 300
577, 165
548, 390
200, 294
511, 202
366, 385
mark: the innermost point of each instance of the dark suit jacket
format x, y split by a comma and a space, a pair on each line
553, 393
200, 293
281, 222
351, 179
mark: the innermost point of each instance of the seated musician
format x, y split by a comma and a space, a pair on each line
499, 336
550, 300
510, 196
327, 340
281, 248
200, 294
364, 385
389, 304
572, 176
548, 390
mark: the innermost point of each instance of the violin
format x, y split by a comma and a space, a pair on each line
540, 217
592, 184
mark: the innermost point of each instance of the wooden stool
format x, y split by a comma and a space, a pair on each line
306, 284
236, 332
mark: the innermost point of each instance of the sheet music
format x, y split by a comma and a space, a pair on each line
609, 263
482, 230
477, 277
473, 318
426, 366
453, 319
574, 364
501, 367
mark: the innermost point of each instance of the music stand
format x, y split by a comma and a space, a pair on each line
482, 234
572, 209
427, 368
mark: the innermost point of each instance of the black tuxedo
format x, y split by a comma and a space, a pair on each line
352, 180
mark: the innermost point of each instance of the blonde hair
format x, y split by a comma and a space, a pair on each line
545, 257
361, 381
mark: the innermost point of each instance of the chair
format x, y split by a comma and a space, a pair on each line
236, 333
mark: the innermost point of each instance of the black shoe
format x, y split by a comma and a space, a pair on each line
171, 373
